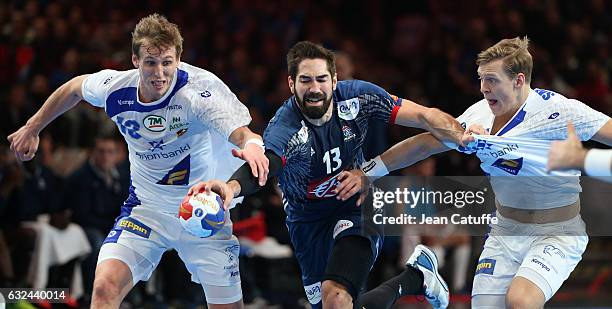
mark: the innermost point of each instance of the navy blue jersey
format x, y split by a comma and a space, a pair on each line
313, 156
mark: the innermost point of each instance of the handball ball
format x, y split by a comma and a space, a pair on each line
202, 214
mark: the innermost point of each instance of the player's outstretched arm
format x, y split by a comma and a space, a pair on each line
252, 151
442, 125
24, 142
402, 154
241, 183
411, 151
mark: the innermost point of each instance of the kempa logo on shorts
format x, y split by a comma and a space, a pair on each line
342, 225
348, 109
154, 123
313, 293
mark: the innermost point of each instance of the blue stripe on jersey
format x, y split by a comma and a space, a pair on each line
129, 204
520, 116
178, 175
125, 99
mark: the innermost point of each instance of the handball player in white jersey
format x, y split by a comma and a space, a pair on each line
527, 256
178, 121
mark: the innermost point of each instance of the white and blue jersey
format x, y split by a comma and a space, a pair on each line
520, 148
313, 156
176, 141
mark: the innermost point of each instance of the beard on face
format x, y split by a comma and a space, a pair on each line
313, 112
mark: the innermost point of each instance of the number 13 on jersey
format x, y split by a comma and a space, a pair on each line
332, 155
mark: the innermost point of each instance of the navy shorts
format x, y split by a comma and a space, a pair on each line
313, 243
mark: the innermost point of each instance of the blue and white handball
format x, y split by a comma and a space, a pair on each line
202, 214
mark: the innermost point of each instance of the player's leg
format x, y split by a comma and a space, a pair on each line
420, 277
119, 268
312, 243
113, 280
347, 271
524, 294
213, 262
496, 267
549, 262
130, 253
489, 301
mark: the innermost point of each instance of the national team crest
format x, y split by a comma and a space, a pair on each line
347, 132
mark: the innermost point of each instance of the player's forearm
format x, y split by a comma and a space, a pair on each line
244, 183
242, 135
442, 125
61, 100
412, 150
235, 186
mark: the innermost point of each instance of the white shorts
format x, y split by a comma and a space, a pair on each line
140, 239
545, 254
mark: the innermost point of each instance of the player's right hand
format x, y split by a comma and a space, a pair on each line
220, 187
24, 143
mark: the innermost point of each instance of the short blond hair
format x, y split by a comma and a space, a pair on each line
156, 30
515, 55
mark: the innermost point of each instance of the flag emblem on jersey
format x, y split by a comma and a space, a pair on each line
322, 188
179, 175
512, 166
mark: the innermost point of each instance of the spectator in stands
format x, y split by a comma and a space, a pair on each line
94, 194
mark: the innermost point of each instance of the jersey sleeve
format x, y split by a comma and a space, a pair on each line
586, 120
218, 107
95, 87
277, 134
379, 104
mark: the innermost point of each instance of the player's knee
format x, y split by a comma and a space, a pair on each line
522, 293
335, 295
515, 299
105, 290
112, 281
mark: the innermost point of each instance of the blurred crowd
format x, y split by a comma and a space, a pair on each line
420, 50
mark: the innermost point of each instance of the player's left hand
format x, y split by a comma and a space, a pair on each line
220, 187
255, 156
351, 182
